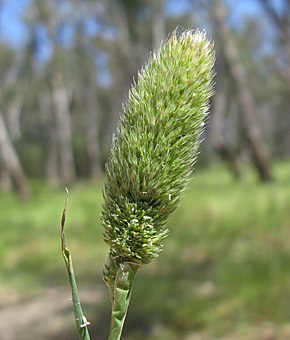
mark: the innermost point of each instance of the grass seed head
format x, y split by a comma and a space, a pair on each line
156, 146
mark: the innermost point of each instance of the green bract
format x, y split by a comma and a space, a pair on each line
155, 148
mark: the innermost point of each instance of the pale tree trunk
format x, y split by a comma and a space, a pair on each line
52, 161
244, 95
5, 178
13, 117
60, 160
51, 166
10, 162
126, 53
158, 22
282, 61
60, 107
86, 53
125, 56
131, 48
92, 132
218, 134
282, 20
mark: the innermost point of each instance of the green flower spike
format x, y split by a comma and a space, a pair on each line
152, 158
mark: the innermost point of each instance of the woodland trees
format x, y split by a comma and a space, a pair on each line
59, 109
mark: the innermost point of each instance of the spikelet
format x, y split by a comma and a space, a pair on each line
155, 148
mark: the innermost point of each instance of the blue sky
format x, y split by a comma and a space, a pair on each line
13, 30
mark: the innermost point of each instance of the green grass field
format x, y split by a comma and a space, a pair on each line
225, 265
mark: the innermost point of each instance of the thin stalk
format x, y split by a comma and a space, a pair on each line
152, 158
80, 319
121, 298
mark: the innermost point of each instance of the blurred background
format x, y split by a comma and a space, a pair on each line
66, 67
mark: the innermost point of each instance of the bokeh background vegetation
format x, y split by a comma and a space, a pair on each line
66, 67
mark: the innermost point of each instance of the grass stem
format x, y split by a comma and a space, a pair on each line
81, 321
121, 298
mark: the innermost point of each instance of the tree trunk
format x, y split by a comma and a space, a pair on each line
218, 135
13, 117
244, 95
10, 161
52, 160
282, 20
60, 107
5, 178
126, 53
158, 22
92, 132
45, 109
